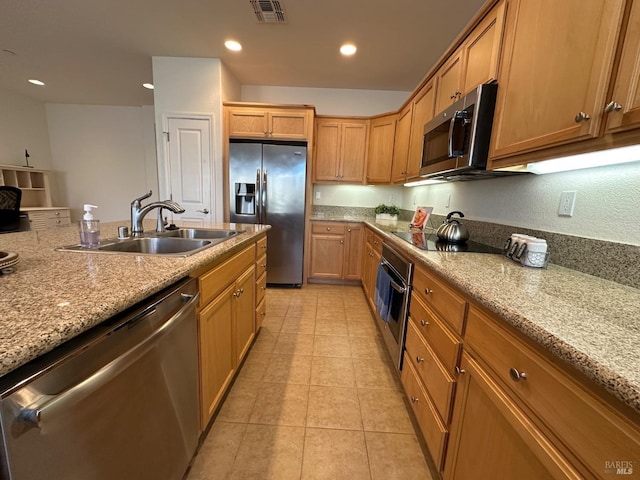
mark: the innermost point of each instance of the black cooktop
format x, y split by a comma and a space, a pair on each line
430, 242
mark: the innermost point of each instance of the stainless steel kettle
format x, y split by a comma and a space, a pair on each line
452, 230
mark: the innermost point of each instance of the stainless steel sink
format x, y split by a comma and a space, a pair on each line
200, 233
156, 246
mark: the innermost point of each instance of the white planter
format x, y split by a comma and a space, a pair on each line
385, 217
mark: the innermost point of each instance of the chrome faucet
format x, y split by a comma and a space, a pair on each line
138, 213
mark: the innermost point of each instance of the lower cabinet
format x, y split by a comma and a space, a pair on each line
336, 250
41, 219
371, 254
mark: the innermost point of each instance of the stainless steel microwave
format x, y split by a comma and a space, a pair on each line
456, 141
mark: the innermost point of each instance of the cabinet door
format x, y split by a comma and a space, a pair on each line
449, 82
353, 256
327, 256
491, 437
217, 362
401, 145
353, 152
481, 50
626, 91
380, 156
326, 162
288, 124
555, 72
244, 310
247, 123
423, 111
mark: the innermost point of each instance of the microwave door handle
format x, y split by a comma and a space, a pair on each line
459, 120
452, 127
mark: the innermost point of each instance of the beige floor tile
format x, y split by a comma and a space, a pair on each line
332, 371
384, 411
289, 369
305, 325
334, 407
376, 373
265, 341
331, 326
335, 455
362, 328
332, 315
294, 344
281, 404
238, 405
276, 308
368, 347
331, 346
255, 366
272, 323
269, 453
394, 456
218, 451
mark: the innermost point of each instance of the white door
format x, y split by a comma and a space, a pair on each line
190, 168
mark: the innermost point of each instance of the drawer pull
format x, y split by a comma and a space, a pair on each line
460, 371
414, 399
328, 229
424, 323
516, 376
427, 291
419, 359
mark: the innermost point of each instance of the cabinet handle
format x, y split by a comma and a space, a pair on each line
414, 399
263, 288
453, 96
613, 106
264, 265
266, 132
516, 376
427, 291
341, 241
460, 371
419, 359
581, 116
349, 230
424, 323
263, 313
57, 213
328, 229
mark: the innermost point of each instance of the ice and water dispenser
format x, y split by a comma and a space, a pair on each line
245, 195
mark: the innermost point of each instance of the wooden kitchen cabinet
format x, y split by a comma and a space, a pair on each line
555, 73
341, 149
423, 111
382, 132
272, 122
336, 250
399, 168
449, 78
371, 254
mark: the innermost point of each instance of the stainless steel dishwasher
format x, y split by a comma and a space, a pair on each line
118, 402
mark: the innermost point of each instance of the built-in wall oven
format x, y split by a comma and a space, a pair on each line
392, 295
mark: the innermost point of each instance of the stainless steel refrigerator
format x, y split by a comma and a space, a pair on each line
267, 185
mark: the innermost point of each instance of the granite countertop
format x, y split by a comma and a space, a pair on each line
52, 296
591, 323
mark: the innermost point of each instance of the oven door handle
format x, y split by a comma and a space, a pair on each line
389, 269
397, 287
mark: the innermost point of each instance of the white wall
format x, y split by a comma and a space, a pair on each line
329, 101
357, 196
23, 125
190, 86
102, 155
231, 88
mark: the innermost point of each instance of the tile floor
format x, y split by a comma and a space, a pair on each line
316, 398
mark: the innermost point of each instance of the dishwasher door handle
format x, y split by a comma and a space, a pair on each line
36, 416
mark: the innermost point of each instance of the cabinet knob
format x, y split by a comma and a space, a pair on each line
612, 106
349, 230
516, 376
452, 96
460, 371
427, 291
57, 213
581, 117
328, 229
266, 132
414, 399
341, 241
264, 265
419, 359
424, 323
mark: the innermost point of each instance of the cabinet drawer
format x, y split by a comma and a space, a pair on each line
441, 297
261, 287
49, 218
261, 247
261, 265
595, 433
437, 382
261, 312
433, 430
219, 277
444, 343
329, 228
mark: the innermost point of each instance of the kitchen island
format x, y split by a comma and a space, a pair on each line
53, 296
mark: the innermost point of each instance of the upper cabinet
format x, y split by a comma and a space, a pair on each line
399, 172
272, 122
382, 132
423, 111
623, 108
450, 81
555, 73
341, 149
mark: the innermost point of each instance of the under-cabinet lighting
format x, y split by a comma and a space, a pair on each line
36, 82
600, 158
429, 181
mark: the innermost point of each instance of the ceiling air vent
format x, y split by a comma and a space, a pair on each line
268, 11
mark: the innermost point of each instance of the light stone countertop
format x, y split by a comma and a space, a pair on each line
591, 323
52, 296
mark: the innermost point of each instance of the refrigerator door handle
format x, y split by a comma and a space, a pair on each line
258, 196
264, 195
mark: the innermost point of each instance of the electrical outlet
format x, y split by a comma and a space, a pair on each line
415, 200
317, 194
447, 200
567, 203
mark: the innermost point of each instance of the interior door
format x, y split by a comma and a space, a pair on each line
190, 153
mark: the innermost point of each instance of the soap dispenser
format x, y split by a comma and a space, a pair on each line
89, 228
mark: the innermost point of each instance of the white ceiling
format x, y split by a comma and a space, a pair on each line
99, 52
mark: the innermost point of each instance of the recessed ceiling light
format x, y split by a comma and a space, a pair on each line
148, 85
36, 82
348, 49
233, 45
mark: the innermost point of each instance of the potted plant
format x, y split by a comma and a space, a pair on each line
386, 212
